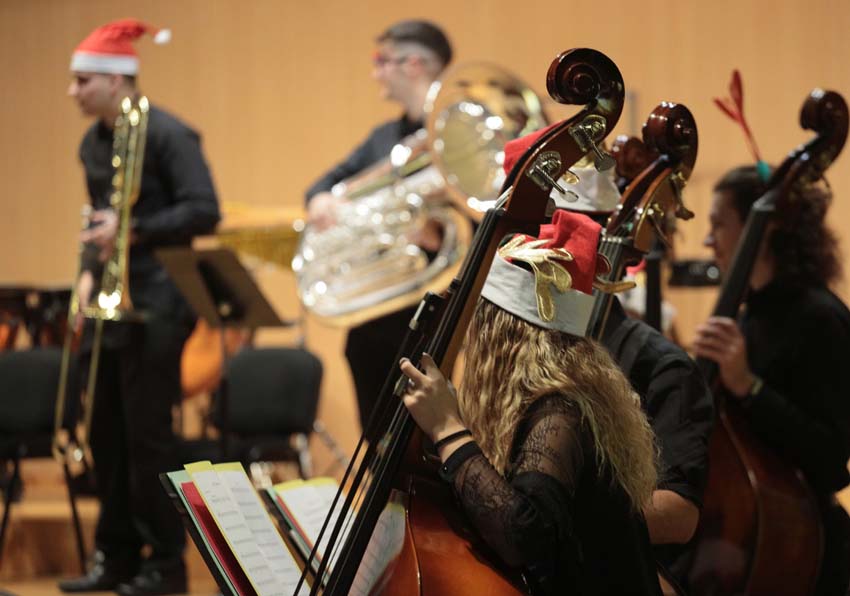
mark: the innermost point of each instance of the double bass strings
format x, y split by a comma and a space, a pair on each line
357, 485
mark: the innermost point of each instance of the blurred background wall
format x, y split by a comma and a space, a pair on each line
281, 89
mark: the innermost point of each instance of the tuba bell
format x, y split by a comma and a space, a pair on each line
372, 261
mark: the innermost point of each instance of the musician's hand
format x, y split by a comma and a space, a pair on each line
84, 287
721, 340
429, 237
103, 233
431, 399
321, 211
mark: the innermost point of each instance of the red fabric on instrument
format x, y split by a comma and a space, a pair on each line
514, 149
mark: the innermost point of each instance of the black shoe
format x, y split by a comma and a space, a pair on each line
155, 582
104, 576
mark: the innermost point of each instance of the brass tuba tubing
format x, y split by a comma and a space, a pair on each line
433, 184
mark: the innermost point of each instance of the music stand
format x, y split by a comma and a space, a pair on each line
222, 292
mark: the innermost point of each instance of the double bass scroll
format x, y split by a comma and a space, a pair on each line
652, 201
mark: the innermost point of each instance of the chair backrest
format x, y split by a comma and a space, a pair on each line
28, 384
272, 391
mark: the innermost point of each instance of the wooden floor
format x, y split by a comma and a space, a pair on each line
40, 548
47, 587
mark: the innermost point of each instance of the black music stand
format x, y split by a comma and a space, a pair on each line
222, 292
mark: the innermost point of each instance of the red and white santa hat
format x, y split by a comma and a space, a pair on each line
594, 192
557, 293
108, 49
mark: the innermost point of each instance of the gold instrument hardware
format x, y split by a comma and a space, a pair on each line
268, 234
434, 182
112, 302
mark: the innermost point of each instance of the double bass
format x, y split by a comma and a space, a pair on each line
652, 200
436, 551
759, 532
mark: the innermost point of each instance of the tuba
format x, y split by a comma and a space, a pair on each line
112, 302
437, 180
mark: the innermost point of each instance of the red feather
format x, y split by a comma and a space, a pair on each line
736, 90
724, 105
734, 108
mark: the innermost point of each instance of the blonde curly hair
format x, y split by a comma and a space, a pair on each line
510, 363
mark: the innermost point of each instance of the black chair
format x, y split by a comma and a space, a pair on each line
266, 408
28, 385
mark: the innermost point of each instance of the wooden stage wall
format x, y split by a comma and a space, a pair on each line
282, 89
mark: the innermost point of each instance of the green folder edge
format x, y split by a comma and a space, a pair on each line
177, 479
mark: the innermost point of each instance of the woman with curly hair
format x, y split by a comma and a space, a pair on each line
544, 442
786, 358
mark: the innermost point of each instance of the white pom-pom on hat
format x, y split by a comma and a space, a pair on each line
162, 36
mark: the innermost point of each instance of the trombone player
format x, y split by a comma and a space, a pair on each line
138, 377
410, 56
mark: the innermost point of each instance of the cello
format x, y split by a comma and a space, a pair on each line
434, 551
759, 514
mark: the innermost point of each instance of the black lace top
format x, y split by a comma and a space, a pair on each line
554, 515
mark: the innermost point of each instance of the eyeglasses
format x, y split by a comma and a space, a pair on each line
380, 60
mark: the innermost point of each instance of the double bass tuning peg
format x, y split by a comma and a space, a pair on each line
678, 182
585, 135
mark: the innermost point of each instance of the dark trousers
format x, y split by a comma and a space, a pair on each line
371, 349
133, 441
835, 566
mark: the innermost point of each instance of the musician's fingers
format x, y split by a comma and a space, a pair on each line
713, 344
703, 351
431, 368
412, 373
724, 323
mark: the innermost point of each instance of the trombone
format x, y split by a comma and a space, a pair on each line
112, 302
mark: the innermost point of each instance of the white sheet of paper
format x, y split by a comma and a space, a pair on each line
238, 524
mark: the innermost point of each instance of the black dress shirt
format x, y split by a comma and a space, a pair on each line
680, 407
375, 148
176, 202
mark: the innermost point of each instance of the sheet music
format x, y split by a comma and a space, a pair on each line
238, 532
265, 533
384, 547
308, 503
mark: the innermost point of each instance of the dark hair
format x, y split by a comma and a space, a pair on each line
424, 33
804, 249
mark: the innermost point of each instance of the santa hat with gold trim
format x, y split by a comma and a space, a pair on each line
557, 293
108, 49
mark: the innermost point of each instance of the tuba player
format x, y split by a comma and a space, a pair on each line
410, 56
